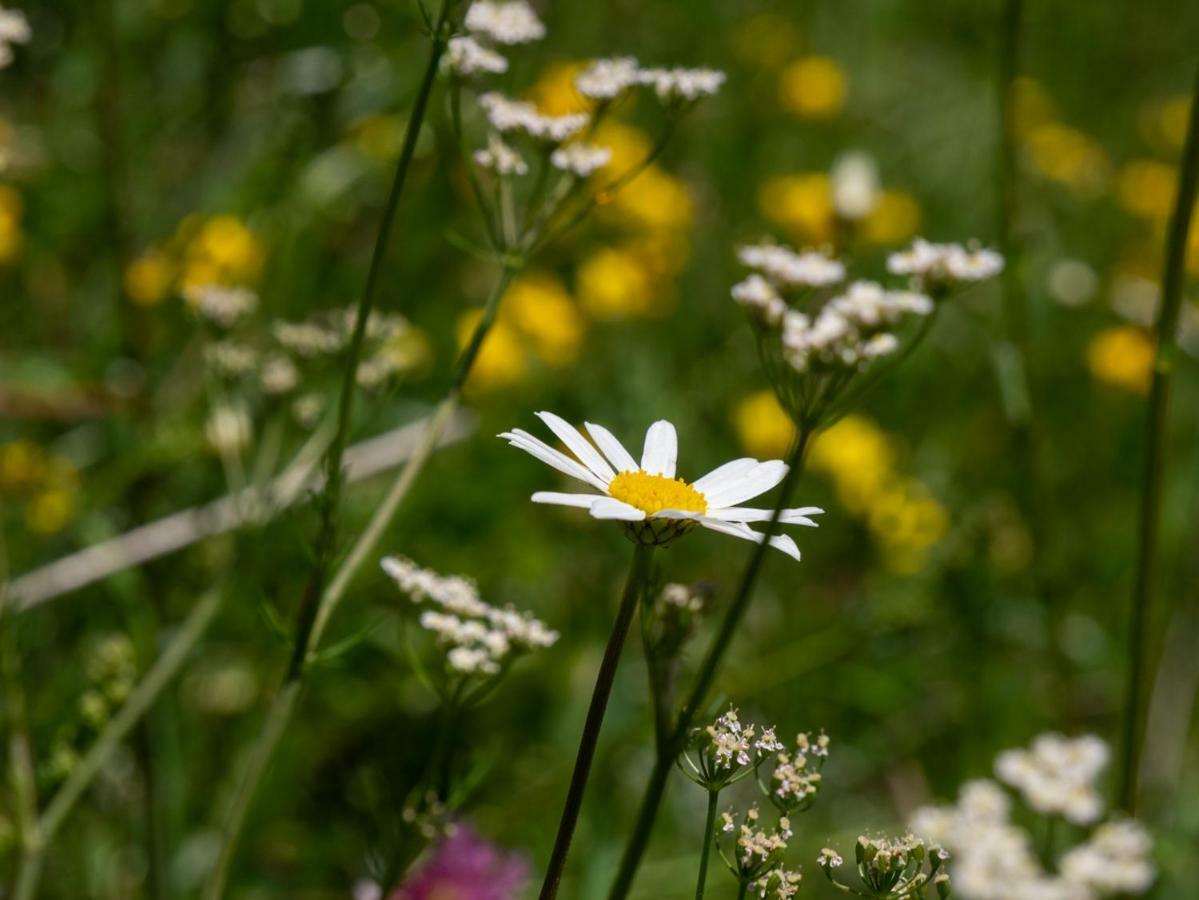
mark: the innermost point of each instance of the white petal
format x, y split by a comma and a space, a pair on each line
621, 458
722, 475
779, 542
552, 457
579, 445
757, 480
582, 501
747, 514
611, 508
661, 449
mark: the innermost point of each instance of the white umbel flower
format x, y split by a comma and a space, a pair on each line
855, 185
683, 85
606, 79
945, 263
501, 159
224, 306
656, 505
583, 160
510, 22
788, 269
465, 56
14, 29
506, 114
1057, 775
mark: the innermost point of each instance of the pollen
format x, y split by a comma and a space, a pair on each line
654, 493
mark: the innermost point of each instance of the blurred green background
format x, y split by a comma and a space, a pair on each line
949, 606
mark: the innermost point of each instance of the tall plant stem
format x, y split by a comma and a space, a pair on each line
1152, 475
709, 826
634, 587
664, 763
284, 704
135, 707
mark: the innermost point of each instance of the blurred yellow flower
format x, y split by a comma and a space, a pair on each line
149, 278
1067, 155
222, 251
766, 40
49, 511
858, 456
906, 521
614, 283
813, 88
538, 305
554, 92
502, 361
1122, 356
895, 219
22, 464
1145, 187
803, 204
664, 252
654, 199
629, 145
763, 426
11, 209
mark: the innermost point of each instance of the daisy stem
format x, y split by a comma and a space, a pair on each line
656, 787
709, 827
634, 587
1152, 475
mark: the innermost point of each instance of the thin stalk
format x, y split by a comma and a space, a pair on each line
709, 826
660, 774
1152, 475
638, 573
135, 707
21, 769
743, 891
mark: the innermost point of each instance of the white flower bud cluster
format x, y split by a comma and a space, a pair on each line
757, 848
682, 597
478, 638
848, 330
505, 22
223, 306
581, 159
829, 859
945, 265
228, 429
500, 158
787, 269
230, 358
278, 375
14, 29
508, 115
1057, 775
778, 884
683, 85
1117, 860
465, 56
795, 782
606, 79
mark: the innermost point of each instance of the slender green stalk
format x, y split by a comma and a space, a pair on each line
664, 763
1153, 473
21, 770
709, 827
634, 587
134, 708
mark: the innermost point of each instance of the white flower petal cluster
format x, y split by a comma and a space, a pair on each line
477, 638
655, 505
506, 114
785, 269
778, 884
855, 185
501, 159
580, 159
14, 29
758, 848
606, 79
1056, 775
278, 375
731, 743
683, 85
848, 332
231, 358
228, 429
224, 306
465, 56
945, 265
1116, 860
504, 22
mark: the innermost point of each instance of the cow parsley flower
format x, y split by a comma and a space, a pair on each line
606, 79
465, 56
501, 159
507, 22
224, 306
1116, 860
506, 114
655, 505
941, 267
581, 159
14, 29
788, 269
1057, 775
676, 86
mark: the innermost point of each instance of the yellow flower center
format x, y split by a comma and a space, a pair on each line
654, 493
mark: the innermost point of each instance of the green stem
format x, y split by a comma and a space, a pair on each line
1152, 475
660, 774
638, 574
743, 891
135, 707
709, 827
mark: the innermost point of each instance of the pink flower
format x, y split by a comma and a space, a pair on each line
464, 866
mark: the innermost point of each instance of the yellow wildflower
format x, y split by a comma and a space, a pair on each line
614, 283
1122, 357
629, 146
895, 219
801, 203
49, 511
22, 463
858, 456
906, 521
501, 361
11, 209
554, 92
654, 199
1067, 155
813, 88
149, 278
765, 40
223, 251
538, 305
1145, 187
763, 426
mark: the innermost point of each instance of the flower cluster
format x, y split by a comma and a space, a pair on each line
728, 750
937, 268
463, 864
796, 781
14, 29
995, 859
756, 851
777, 884
223, 306
1056, 775
477, 638
892, 868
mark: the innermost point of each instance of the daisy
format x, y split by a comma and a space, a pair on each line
656, 505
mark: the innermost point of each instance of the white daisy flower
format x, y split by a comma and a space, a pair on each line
647, 495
